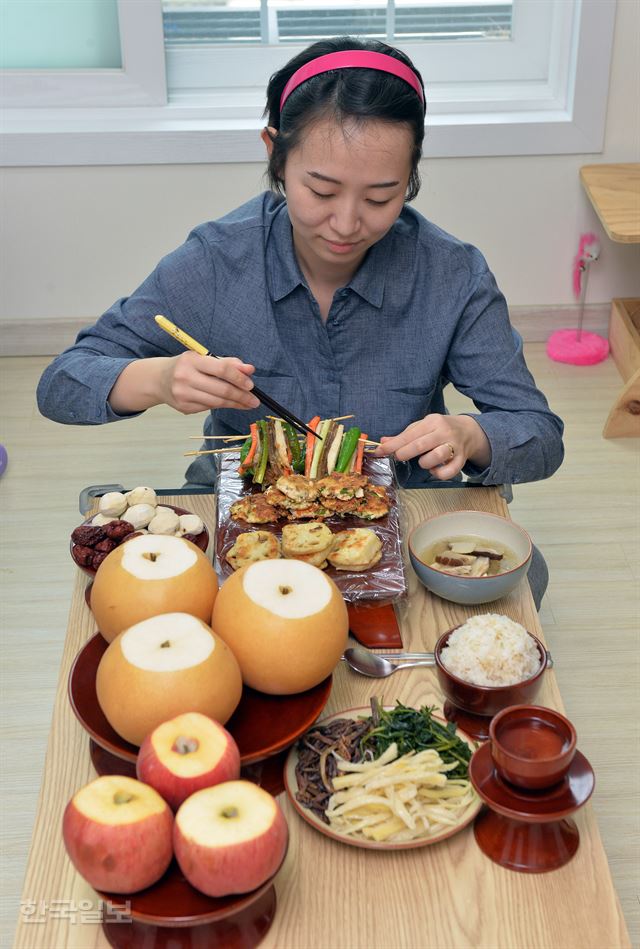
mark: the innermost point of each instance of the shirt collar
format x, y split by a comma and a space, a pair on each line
285, 274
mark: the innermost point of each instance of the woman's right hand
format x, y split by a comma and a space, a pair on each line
189, 383
192, 383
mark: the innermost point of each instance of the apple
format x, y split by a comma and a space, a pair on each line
285, 621
148, 575
230, 838
186, 754
162, 667
118, 834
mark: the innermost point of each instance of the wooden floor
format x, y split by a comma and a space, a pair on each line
586, 520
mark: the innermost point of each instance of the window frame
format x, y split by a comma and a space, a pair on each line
563, 113
522, 57
141, 81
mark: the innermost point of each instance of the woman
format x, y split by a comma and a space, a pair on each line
338, 299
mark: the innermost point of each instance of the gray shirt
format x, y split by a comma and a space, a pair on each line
422, 310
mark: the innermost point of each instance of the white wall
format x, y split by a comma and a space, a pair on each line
72, 240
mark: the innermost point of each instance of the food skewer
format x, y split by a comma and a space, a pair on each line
273, 448
209, 451
229, 438
338, 418
225, 438
221, 451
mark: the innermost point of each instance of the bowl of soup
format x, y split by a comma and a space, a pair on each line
470, 557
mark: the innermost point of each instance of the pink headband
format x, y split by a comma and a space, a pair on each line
350, 59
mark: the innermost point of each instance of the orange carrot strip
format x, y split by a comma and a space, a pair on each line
253, 429
310, 443
360, 454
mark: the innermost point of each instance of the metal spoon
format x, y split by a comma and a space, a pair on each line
379, 667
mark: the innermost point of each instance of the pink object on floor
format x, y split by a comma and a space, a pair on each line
564, 346
588, 251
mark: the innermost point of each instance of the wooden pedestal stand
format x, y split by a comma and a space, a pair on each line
614, 192
624, 341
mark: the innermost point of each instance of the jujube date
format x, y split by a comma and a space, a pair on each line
106, 546
83, 555
87, 536
116, 530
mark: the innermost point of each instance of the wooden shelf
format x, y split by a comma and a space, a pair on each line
614, 192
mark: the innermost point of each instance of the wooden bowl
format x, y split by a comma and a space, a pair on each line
532, 746
484, 699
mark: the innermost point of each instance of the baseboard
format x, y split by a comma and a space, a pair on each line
534, 323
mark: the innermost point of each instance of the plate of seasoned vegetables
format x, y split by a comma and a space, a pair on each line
327, 502
383, 778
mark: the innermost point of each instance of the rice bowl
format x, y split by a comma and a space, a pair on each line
491, 650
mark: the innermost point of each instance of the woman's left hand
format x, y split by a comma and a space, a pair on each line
442, 443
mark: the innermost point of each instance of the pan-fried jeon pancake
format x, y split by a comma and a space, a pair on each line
252, 546
276, 497
297, 487
316, 560
374, 504
313, 510
342, 485
359, 567
350, 506
302, 539
255, 509
355, 549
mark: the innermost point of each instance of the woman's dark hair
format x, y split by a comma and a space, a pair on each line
341, 94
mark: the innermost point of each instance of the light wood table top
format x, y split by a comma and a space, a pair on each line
614, 192
446, 895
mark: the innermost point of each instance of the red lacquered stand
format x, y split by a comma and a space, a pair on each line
529, 831
264, 726
528, 848
475, 725
194, 921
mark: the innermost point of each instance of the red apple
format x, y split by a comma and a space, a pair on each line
230, 838
186, 754
117, 832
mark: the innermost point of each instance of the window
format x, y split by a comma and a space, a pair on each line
503, 77
114, 59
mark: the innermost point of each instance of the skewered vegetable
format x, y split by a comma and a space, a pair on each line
297, 458
348, 447
311, 441
274, 449
260, 466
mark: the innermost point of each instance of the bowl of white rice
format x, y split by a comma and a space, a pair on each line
488, 663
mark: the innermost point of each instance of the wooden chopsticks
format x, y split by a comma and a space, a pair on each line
189, 343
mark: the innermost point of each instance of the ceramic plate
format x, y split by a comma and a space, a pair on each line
291, 784
261, 725
201, 541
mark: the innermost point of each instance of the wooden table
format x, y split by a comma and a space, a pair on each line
614, 192
330, 895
